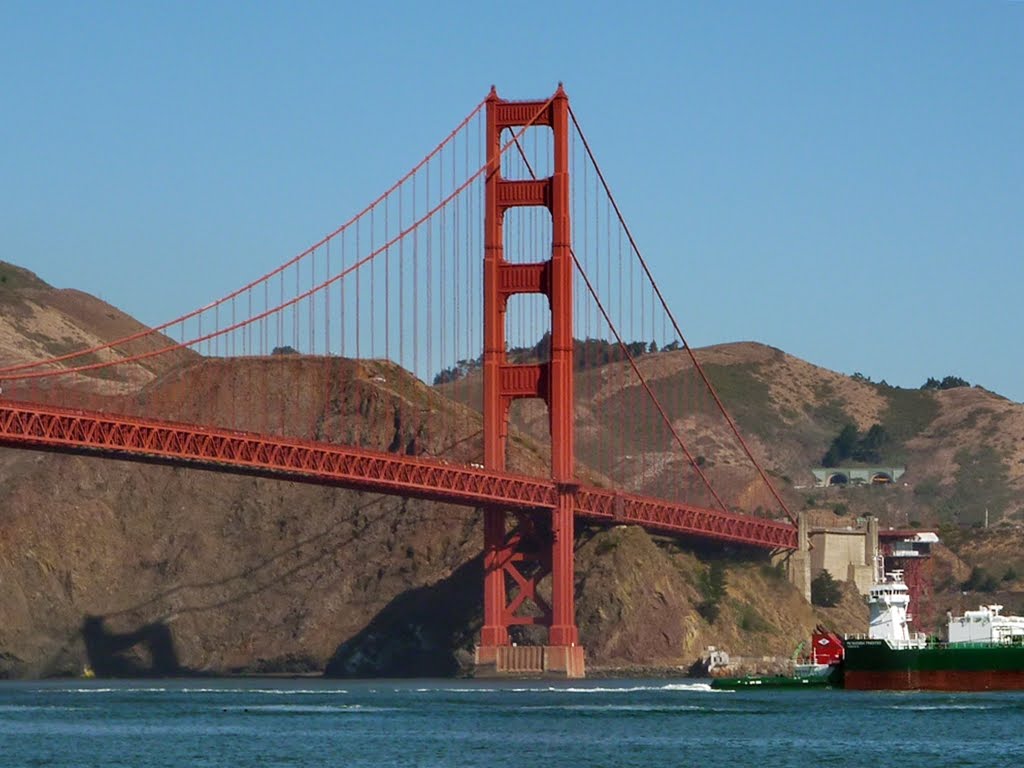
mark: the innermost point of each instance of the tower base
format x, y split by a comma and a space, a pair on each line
554, 661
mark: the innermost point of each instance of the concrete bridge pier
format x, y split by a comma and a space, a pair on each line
798, 562
551, 661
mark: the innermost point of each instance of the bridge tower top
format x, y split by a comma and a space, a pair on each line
553, 382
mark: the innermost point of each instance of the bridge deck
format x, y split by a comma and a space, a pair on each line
77, 431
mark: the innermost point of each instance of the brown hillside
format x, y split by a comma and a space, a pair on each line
963, 449
144, 569
140, 569
38, 322
242, 574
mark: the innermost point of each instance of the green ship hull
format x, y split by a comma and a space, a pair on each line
873, 665
832, 680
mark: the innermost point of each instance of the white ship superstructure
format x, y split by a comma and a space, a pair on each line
889, 601
986, 625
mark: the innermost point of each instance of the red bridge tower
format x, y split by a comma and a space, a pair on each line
521, 548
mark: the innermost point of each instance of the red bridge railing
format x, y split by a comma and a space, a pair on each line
124, 437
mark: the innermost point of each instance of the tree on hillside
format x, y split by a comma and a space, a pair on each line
869, 448
713, 587
587, 353
849, 444
841, 448
948, 382
952, 382
636, 348
825, 590
980, 580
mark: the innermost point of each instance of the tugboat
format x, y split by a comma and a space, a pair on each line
822, 668
984, 652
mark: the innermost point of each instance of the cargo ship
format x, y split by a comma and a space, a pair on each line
984, 650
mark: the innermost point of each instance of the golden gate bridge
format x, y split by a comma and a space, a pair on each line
500, 260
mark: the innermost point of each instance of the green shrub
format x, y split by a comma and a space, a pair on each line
605, 545
825, 590
980, 580
713, 586
751, 620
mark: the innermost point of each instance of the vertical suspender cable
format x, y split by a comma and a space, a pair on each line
675, 325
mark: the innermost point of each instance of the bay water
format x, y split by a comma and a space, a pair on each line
650, 723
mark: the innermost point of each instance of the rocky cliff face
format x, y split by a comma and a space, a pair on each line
644, 602
147, 569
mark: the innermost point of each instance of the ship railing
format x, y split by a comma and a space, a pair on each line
1014, 641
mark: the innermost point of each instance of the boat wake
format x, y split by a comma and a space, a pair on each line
688, 687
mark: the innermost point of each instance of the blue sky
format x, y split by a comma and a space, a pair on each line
844, 181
